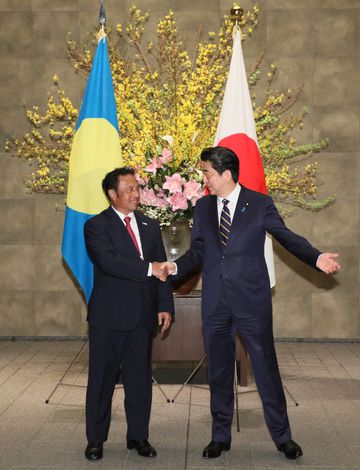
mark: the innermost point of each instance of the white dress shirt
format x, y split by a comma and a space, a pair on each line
135, 229
232, 198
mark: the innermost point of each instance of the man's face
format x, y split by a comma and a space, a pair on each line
219, 185
127, 197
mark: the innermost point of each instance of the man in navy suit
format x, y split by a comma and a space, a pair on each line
228, 241
128, 301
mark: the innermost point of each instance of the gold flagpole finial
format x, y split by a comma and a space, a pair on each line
236, 13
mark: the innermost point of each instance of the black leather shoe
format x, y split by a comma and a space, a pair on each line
94, 451
214, 449
291, 450
143, 447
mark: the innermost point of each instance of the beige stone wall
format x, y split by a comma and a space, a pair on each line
313, 40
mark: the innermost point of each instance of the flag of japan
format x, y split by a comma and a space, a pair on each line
236, 130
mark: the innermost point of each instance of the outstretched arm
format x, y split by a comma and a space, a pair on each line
297, 244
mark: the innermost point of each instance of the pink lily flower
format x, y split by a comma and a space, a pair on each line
191, 189
154, 166
174, 183
178, 201
166, 156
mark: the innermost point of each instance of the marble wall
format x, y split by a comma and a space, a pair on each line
312, 40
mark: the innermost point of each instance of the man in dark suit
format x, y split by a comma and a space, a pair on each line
228, 241
127, 303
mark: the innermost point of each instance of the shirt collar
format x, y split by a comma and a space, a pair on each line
122, 216
233, 196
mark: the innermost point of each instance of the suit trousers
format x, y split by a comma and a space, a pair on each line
108, 351
257, 335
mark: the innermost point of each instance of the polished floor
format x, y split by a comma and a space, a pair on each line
324, 378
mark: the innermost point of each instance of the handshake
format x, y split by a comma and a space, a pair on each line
163, 270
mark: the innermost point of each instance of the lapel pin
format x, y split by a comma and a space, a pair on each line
144, 223
243, 209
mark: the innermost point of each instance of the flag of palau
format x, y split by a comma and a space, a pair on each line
95, 152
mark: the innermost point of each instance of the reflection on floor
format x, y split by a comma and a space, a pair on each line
323, 377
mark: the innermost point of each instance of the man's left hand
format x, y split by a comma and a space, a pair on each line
327, 263
164, 322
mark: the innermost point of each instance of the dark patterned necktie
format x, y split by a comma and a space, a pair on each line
225, 223
127, 221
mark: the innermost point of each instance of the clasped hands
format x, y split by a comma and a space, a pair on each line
163, 270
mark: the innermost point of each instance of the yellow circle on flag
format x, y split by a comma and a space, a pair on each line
95, 152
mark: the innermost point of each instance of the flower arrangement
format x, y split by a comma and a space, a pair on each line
165, 193
168, 103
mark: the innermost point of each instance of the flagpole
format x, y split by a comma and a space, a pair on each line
102, 16
102, 20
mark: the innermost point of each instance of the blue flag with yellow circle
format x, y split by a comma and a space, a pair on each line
95, 152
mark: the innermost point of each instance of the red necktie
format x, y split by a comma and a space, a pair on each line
131, 233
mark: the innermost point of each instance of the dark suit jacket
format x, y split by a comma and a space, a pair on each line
240, 268
123, 294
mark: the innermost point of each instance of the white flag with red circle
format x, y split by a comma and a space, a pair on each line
236, 130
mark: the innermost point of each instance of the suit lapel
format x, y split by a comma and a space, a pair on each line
144, 233
238, 219
120, 230
213, 218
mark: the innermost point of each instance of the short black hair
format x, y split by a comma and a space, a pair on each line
222, 159
111, 179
